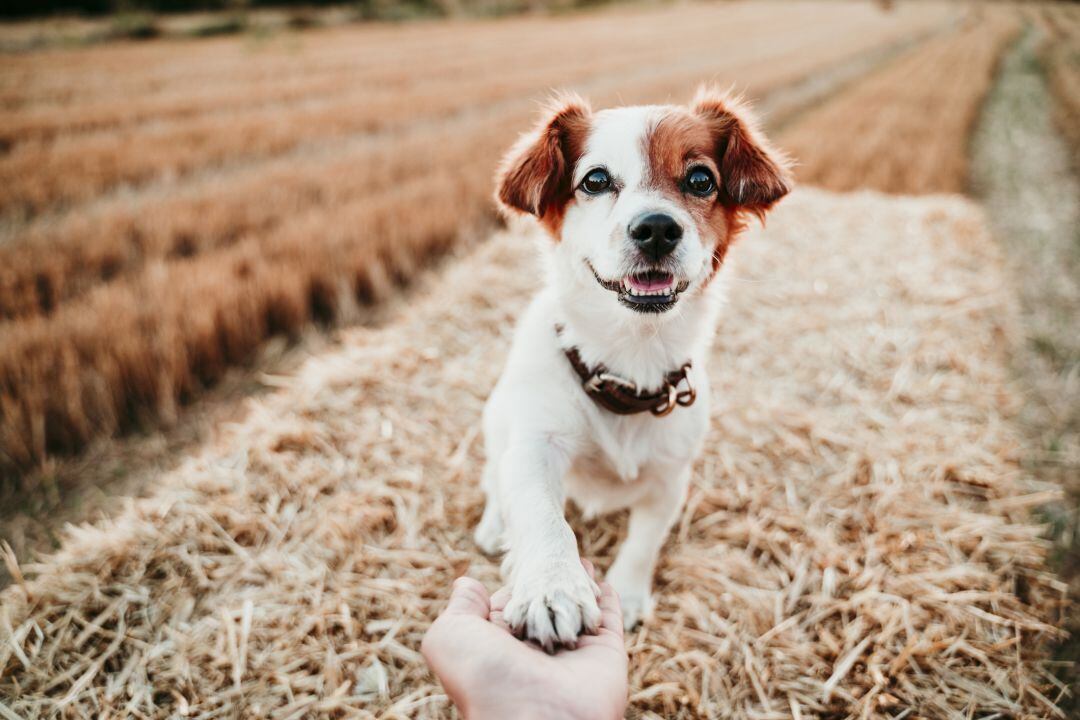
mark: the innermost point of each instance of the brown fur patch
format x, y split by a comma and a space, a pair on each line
753, 174
716, 133
677, 142
536, 176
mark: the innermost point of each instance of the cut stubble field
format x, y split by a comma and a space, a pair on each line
857, 540
905, 128
855, 543
133, 301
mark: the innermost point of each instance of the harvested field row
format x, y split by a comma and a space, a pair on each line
126, 69
905, 128
132, 350
853, 544
55, 261
285, 77
179, 310
36, 175
1061, 57
364, 77
37, 123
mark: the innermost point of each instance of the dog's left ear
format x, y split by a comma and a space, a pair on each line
535, 175
754, 175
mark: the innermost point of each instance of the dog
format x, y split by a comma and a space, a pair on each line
604, 397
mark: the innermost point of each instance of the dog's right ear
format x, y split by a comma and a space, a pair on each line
536, 175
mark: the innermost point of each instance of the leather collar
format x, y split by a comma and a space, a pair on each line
622, 397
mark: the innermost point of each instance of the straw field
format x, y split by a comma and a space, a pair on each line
857, 542
905, 128
854, 544
250, 190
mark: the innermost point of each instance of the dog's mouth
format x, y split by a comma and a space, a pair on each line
652, 290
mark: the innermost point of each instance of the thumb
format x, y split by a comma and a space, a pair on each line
469, 597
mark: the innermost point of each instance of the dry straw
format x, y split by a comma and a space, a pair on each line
253, 220
905, 128
854, 544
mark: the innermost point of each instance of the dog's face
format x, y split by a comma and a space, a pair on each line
643, 201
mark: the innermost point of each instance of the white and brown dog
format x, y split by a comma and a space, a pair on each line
604, 397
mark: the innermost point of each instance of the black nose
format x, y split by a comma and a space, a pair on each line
655, 234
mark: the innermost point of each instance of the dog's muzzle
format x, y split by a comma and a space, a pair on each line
652, 290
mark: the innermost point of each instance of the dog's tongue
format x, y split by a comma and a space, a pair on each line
650, 281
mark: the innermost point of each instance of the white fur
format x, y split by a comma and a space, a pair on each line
546, 440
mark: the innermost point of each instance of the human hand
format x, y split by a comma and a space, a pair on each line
489, 673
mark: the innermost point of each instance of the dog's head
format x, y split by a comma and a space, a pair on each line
643, 201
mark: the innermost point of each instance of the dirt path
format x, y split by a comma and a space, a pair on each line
854, 540
1023, 173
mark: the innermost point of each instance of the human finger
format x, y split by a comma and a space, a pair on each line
498, 603
499, 598
610, 610
468, 597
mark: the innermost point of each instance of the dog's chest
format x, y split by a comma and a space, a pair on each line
623, 457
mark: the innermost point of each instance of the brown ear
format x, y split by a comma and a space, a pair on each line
536, 174
753, 175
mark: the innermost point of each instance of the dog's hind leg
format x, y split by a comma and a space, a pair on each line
490, 533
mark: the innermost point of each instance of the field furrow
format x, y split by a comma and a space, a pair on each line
115, 71
905, 128
54, 261
37, 174
348, 83
134, 303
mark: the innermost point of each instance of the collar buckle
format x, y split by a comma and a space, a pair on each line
600, 376
676, 397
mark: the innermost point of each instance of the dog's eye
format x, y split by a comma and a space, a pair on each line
596, 182
699, 181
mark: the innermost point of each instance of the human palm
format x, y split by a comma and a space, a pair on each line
489, 673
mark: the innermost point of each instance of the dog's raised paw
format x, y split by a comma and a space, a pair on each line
553, 608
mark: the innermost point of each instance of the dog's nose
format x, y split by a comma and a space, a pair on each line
655, 234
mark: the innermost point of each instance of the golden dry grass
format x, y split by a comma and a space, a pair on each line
133, 301
854, 544
906, 128
432, 79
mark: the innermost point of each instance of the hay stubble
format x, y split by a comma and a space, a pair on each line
854, 543
134, 301
905, 128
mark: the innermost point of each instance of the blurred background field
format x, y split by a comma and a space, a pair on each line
192, 203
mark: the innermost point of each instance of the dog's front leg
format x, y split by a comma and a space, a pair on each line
650, 520
552, 598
